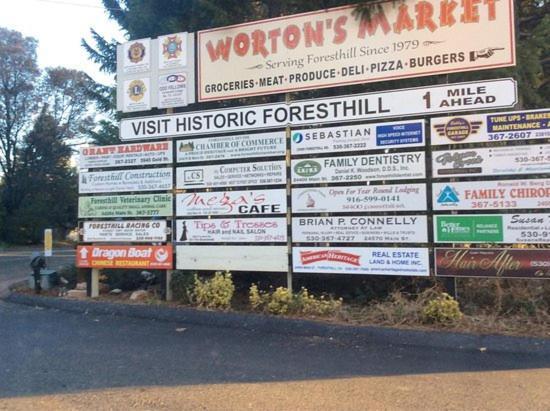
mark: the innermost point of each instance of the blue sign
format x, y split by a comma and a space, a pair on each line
410, 133
518, 121
448, 195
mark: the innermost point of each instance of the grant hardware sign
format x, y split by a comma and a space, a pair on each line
232, 147
142, 205
492, 228
491, 195
486, 128
492, 262
513, 160
358, 137
225, 175
390, 197
232, 230
125, 256
146, 231
360, 229
360, 260
145, 179
500, 93
333, 47
395, 166
255, 202
126, 155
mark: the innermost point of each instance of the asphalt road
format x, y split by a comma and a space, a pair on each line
53, 360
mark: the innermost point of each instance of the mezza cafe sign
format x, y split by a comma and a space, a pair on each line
469, 96
125, 256
334, 47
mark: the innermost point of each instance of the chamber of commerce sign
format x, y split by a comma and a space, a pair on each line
333, 47
499, 93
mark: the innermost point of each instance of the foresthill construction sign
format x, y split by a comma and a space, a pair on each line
334, 47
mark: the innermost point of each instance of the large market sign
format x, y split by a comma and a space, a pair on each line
334, 47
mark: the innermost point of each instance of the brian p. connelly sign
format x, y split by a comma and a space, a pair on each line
478, 95
333, 47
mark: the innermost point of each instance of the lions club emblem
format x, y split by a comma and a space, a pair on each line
136, 90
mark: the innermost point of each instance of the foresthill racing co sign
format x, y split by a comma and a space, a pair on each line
333, 47
125, 256
145, 231
500, 93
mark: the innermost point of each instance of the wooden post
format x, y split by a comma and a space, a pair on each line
169, 294
94, 284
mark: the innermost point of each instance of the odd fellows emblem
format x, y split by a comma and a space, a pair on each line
458, 129
136, 52
171, 47
136, 90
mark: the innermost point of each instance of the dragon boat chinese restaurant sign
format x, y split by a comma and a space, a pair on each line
333, 47
125, 256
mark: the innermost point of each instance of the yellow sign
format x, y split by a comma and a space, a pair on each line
48, 242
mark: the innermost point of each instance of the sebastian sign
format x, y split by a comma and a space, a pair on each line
145, 231
492, 228
492, 195
232, 230
146, 179
479, 95
125, 256
231, 203
360, 229
390, 197
232, 147
483, 128
358, 137
333, 47
492, 262
143, 205
361, 260
513, 160
227, 175
396, 166
126, 155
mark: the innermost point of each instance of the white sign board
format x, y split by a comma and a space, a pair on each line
226, 203
232, 230
125, 155
173, 90
361, 229
492, 195
137, 94
479, 95
513, 160
233, 258
173, 51
359, 137
333, 47
492, 127
493, 228
136, 56
145, 179
232, 147
395, 166
125, 231
226, 175
361, 260
389, 197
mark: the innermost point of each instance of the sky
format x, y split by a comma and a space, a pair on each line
59, 26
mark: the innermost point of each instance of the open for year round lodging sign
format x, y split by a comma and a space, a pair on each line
510, 160
492, 127
361, 229
397, 134
492, 262
126, 155
492, 195
492, 228
232, 230
145, 231
360, 260
395, 166
388, 197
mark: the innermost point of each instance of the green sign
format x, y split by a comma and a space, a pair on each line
307, 168
143, 205
469, 229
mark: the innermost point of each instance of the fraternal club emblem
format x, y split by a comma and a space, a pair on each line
171, 47
136, 90
136, 52
458, 129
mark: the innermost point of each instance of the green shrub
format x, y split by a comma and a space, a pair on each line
279, 301
443, 309
126, 280
216, 292
182, 284
322, 306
